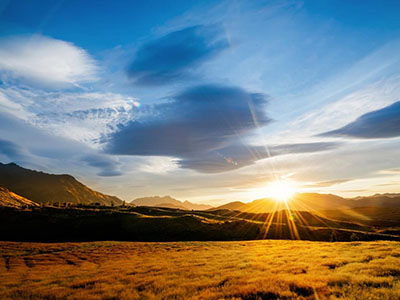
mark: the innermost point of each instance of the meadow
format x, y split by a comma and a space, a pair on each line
268, 269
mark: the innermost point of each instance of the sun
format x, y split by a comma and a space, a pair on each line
281, 190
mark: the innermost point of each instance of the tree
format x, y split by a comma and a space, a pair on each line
354, 237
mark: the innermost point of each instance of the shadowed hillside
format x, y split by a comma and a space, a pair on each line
41, 187
94, 223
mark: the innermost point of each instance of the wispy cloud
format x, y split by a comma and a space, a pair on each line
382, 123
174, 56
393, 171
344, 110
45, 60
78, 115
239, 155
327, 183
108, 166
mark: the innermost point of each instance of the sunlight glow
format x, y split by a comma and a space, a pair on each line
281, 190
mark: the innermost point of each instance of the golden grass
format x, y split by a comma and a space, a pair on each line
200, 270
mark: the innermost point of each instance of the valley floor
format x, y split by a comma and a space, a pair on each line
270, 269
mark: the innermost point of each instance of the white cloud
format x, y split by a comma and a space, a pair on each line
159, 164
79, 116
46, 60
12, 108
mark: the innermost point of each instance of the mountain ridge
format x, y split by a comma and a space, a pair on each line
41, 187
168, 201
314, 202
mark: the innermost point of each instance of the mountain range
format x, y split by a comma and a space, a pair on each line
42, 187
169, 202
21, 187
314, 202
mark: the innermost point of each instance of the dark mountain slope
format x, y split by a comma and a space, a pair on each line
41, 187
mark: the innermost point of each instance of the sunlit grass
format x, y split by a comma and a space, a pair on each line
200, 270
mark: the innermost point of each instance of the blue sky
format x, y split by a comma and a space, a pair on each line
205, 101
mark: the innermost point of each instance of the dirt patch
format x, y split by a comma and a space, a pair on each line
304, 291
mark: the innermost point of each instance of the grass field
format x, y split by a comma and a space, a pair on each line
200, 270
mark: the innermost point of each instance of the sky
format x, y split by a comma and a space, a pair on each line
207, 101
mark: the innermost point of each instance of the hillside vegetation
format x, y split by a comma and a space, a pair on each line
200, 270
10, 199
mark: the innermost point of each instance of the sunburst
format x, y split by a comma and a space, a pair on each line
281, 190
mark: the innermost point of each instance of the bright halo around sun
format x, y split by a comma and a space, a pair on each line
281, 190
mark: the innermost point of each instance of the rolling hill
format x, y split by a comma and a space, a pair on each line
41, 187
301, 202
8, 198
374, 216
170, 202
141, 223
314, 202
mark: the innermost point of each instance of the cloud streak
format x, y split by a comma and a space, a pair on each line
108, 166
175, 56
327, 183
382, 123
240, 155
